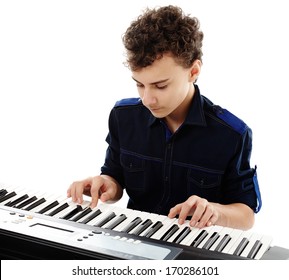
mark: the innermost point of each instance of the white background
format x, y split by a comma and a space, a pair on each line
227, 270
61, 71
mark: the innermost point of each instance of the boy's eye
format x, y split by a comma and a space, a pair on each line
161, 87
157, 86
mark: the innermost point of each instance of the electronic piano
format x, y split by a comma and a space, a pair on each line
34, 225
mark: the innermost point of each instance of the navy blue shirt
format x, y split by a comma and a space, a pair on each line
208, 156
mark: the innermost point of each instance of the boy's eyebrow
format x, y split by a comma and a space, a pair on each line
154, 83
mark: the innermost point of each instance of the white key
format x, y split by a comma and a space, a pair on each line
244, 234
30, 195
167, 223
266, 243
181, 227
18, 193
211, 230
61, 202
125, 213
106, 218
40, 196
12, 188
72, 206
61, 213
117, 220
235, 234
144, 217
136, 214
223, 232
131, 215
208, 230
152, 217
105, 210
94, 211
155, 218
191, 236
49, 199
253, 238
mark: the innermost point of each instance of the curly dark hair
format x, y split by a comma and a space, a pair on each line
163, 30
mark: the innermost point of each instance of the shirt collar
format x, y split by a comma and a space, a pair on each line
195, 115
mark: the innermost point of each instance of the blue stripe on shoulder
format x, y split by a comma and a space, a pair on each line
128, 102
258, 193
233, 121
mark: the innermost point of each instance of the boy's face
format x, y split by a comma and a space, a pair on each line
164, 86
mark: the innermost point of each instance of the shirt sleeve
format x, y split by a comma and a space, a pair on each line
112, 165
241, 183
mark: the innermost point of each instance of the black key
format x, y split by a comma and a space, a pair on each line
154, 229
91, 217
73, 212
132, 225
35, 204
105, 220
3, 192
80, 215
48, 207
58, 209
170, 232
223, 243
143, 226
7, 196
211, 240
26, 202
201, 236
14, 202
117, 221
255, 249
242, 245
180, 237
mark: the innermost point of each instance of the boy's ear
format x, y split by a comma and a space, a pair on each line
195, 70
